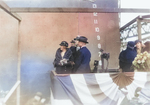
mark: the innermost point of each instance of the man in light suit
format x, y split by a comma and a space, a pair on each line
82, 61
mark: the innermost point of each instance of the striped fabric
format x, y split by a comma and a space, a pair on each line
102, 88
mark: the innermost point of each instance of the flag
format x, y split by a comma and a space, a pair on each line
98, 88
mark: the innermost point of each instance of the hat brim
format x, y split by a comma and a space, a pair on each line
138, 41
83, 41
62, 45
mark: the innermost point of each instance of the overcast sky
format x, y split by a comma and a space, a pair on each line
125, 17
135, 4
142, 4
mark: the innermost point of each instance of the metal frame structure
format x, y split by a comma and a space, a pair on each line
126, 29
135, 28
81, 10
16, 86
8, 10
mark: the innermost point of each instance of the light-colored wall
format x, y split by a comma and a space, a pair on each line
108, 24
41, 34
8, 50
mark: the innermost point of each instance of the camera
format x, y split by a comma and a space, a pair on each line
95, 66
96, 63
105, 56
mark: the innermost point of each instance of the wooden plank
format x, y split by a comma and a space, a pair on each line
81, 10
7, 9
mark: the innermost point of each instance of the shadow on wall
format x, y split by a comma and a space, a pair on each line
8, 74
35, 77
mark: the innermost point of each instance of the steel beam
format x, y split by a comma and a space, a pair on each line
134, 20
139, 29
80, 10
7, 9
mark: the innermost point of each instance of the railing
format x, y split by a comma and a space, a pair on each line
13, 89
137, 27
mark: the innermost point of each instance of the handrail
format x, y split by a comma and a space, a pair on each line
134, 20
11, 91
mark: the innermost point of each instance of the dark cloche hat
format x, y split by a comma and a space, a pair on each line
131, 44
64, 43
82, 39
138, 41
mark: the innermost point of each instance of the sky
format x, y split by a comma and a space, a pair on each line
126, 17
135, 4
141, 4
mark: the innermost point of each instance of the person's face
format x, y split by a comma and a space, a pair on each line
80, 44
76, 42
72, 44
62, 47
138, 45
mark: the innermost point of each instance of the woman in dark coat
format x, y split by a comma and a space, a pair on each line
127, 56
63, 59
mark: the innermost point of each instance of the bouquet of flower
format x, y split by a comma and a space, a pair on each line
63, 61
142, 62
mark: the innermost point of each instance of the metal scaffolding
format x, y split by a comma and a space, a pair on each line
16, 87
137, 27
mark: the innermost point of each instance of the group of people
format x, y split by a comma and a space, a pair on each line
127, 56
75, 59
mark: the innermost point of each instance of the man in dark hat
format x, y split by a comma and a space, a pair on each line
83, 59
73, 48
72, 43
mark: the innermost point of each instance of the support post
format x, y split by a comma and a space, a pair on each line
5, 7
139, 29
102, 59
19, 64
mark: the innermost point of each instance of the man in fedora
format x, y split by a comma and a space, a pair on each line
73, 48
83, 59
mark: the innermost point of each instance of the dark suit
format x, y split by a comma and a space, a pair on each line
73, 49
82, 61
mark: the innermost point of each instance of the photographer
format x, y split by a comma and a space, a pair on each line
63, 59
